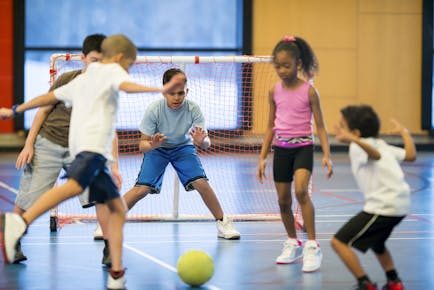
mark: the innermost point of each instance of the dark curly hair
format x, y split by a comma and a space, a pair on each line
363, 118
300, 49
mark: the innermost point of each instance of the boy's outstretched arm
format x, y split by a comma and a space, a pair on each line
130, 87
409, 147
345, 136
43, 100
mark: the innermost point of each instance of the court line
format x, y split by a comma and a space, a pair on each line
161, 263
11, 189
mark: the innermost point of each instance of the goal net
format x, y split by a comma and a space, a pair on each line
232, 93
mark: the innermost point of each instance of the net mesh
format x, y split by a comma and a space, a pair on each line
233, 96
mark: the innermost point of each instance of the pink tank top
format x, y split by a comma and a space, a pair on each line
293, 123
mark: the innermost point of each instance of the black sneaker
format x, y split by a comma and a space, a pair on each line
106, 258
19, 256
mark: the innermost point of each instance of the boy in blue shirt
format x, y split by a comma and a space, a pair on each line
171, 127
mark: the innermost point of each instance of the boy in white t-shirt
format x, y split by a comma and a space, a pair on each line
94, 97
375, 166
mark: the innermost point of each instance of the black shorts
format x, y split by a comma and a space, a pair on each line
368, 231
287, 160
89, 170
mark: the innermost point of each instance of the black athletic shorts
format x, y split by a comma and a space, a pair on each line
368, 231
89, 169
287, 160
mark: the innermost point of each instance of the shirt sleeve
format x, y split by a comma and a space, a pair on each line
358, 156
119, 76
397, 152
148, 126
198, 118
65, 93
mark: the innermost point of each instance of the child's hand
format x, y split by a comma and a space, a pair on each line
326, 162
198, 134
6, 114
343, 135
157, 139
117, 177
397, 129
177, 80
261, 170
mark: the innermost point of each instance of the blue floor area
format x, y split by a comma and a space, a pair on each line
70, 259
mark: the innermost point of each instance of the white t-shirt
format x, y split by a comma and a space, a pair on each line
382, 181
94, 97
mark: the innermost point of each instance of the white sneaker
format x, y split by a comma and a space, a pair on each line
115, 284
12, 228
226, 230
97, 234
312, 256
291, 252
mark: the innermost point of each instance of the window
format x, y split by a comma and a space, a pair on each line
164, 27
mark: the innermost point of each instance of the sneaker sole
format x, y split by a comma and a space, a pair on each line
290, 262
229, 237
311, 271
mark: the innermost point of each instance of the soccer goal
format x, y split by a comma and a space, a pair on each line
232, 92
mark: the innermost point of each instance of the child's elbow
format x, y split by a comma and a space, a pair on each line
410, 156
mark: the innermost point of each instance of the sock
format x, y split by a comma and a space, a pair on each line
392, 275
117, 274
106, 243
363, 279
220, 219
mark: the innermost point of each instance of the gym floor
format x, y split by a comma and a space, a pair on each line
71, 259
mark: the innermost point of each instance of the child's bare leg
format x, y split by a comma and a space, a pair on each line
209, 197
301, 187
135, 194
285, 205
52, 198
18, 210
116, 221
349, 258
385, 260
102, 214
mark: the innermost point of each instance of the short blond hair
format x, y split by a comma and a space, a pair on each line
118, 43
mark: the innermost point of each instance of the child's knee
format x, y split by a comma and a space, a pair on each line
302, 195
335, 243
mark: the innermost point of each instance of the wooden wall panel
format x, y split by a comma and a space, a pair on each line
369, 51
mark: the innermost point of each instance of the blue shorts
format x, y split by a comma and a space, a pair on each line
89, 170
184, 159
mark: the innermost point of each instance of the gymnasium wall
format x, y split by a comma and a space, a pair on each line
369, 52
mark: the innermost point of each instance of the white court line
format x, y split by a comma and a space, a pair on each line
171, 268
11, 189
161, 263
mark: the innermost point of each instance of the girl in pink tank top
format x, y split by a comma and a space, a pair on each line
294, 105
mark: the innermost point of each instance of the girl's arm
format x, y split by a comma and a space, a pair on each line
268, 137
321, 130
